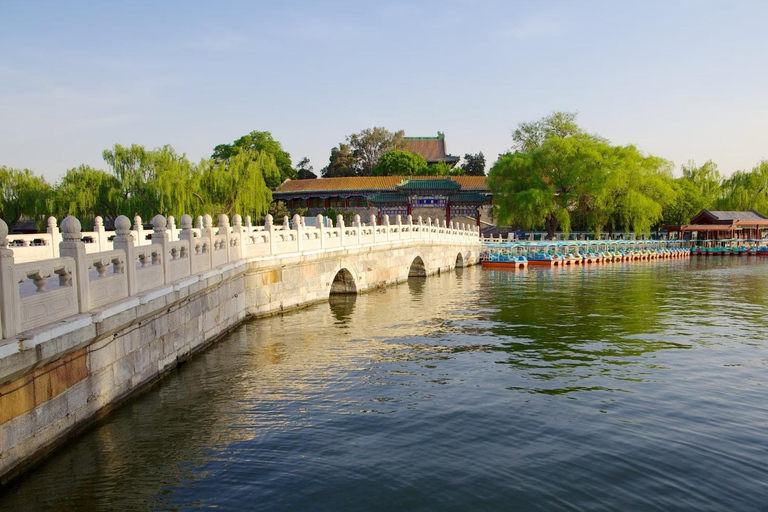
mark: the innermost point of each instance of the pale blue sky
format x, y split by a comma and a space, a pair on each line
682, 80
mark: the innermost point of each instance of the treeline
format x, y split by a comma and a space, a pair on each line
559, 177
379, 152
238, 178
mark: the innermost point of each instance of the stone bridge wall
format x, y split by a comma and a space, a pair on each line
119, 318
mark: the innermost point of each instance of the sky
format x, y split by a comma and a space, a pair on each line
684, 80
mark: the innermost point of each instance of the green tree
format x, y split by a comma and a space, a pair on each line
706, 179
22, 194
370, 144
152, 181
559, 173
341, 163
85, 192
474, 165
254, 143
688, 202
304, 170
633, 192
236, 185
400, 163
746, 190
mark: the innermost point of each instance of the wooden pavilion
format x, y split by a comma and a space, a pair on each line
723, 225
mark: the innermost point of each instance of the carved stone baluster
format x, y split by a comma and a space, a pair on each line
7, 285
124, 241
72, 246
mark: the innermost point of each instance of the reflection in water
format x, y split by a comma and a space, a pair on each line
342, 306
416, 286
607, 387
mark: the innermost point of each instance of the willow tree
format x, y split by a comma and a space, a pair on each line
541, 183
634, 191
745, 190
236, 185
22, 194
152, 181
85, 192
255, 143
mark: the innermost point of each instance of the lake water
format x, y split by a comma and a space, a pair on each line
637, 386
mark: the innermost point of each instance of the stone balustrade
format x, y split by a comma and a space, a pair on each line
98, 268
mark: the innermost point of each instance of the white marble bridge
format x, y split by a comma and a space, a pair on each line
89, 318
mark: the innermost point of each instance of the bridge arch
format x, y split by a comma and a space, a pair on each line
417, 269
343, 283
459, 260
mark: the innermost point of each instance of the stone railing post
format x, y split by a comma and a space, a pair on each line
53, 230
124, 241
356, 222
172, 231
199, 224
224, 230
385, 223
160, 237
321, 227
139, 229
270, 229
372, 220
101, 234
341, 228
72, 246
247, 226
208, 231
186, 234
297, 226
409, 222
7, 284
238, 237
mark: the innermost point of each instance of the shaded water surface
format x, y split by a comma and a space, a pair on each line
614, 387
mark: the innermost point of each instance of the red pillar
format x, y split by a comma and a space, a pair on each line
477, 217
447, 214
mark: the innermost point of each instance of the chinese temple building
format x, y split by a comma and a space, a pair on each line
721, 225
458, 198
431, 148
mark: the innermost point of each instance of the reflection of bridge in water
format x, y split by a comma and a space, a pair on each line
123, 311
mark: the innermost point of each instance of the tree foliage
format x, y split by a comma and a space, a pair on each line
369, 145
254, 143
474, 165
85, 192
341, 162
22, 194
304, 170
400, 163
559, 173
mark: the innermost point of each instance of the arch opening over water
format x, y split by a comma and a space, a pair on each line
459, 261
343, 283
417, 268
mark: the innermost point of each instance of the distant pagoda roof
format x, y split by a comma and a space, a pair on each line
431, 148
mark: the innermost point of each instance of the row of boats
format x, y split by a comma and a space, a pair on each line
553, 254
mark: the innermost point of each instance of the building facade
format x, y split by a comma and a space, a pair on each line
465, 199
722, 225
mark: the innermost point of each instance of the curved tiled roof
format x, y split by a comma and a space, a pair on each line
431, 148
365, 184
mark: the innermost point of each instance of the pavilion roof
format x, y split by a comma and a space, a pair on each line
729, 217
431, 148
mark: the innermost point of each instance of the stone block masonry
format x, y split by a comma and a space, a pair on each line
121, 317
